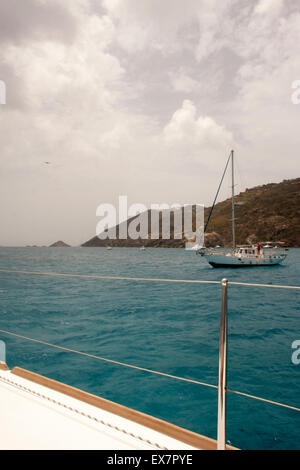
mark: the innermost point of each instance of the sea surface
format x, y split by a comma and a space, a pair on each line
173, 328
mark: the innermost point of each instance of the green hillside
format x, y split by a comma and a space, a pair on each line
264, 213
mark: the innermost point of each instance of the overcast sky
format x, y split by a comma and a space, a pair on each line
143, 98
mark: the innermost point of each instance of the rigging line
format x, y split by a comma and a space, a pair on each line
212, 207
150, 371
274, 286
119, 278
263, 399
109, 360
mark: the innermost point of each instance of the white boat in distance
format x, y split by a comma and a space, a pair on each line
243, 257
239, 257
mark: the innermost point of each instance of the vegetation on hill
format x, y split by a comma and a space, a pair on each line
264, 213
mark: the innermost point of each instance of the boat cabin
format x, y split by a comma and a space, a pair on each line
247, 251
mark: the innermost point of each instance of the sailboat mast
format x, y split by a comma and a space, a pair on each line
233, 221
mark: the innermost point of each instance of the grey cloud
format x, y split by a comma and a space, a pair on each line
15, 87
26, 20
137, 120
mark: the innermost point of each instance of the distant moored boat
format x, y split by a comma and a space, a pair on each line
239, 257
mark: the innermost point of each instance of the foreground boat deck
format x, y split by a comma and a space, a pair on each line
40, 413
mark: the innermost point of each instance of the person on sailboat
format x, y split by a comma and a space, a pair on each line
258, 248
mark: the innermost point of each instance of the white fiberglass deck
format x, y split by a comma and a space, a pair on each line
34, 416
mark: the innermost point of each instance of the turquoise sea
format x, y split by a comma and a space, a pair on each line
173, 328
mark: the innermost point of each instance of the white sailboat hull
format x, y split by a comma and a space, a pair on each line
234, 261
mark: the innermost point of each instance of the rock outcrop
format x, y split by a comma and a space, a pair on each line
59, 244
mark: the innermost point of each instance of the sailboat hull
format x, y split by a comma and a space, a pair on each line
219, 261
248, 265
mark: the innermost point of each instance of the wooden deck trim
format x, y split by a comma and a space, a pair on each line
3, 366
188, 437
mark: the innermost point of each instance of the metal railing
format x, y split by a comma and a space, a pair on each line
222, 381
222, 370
222, 385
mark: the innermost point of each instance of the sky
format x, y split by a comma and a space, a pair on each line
143, 98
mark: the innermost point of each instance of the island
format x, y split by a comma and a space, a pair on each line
59, 244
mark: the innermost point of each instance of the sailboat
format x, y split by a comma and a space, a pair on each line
239, 257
